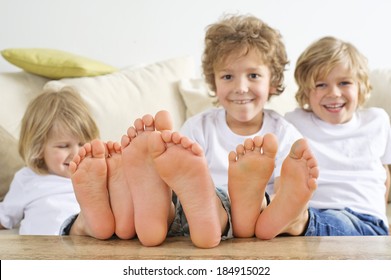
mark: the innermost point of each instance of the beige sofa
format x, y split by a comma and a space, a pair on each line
117, 99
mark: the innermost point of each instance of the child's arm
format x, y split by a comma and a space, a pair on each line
388, 182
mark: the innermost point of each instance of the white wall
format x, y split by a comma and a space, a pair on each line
128, 32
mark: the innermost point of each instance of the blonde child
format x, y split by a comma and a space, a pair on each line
55, 125
243, 63
351, 145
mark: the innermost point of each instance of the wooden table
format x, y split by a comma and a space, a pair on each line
15, 247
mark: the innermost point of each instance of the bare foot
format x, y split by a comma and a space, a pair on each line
120, 197
288, 211
249, 171
151, 196
182, 165
89, 179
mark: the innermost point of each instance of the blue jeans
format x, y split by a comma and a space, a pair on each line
180, 226
334, 222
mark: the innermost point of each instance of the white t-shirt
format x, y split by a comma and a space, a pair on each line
351, 158
211, 131
40, 203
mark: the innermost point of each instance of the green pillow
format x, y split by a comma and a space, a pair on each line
55, 64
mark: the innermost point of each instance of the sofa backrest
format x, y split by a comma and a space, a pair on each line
117, 99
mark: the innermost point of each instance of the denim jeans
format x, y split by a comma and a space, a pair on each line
180, 226
334, 222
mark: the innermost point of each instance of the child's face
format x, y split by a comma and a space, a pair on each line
59, 150
243, 88
335, 99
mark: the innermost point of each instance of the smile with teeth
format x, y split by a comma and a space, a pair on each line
334, 106
242, 101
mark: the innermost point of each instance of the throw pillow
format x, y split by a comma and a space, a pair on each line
17, 90
55, 64
10, 161
381, 94
196, 95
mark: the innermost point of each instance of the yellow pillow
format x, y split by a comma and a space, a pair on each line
55, 64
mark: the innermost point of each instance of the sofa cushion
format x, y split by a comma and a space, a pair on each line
55, 64
196, 95
10, 160
17, 89
381, 92
117, 99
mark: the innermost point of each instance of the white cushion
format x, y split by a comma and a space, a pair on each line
10, 161
285, 102
117, 99
381, 92
196, 96
17, 89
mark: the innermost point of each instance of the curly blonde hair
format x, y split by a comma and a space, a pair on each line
63, 108
316, 62
239, 34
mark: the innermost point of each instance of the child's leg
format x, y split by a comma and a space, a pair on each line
182, 165
120, 197
89, 178
288, 211
153, 208
249, 172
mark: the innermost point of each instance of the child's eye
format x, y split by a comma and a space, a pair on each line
227, 77
320, 85
81, 144
345, 83
254, 75
63, 146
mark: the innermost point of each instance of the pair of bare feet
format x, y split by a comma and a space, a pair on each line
250, 168
127, 189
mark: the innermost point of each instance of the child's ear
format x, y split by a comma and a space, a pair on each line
272, 90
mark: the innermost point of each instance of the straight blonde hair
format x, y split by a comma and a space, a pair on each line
62, 108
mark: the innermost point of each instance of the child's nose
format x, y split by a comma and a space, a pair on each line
335, 91
241, 87
74, 151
